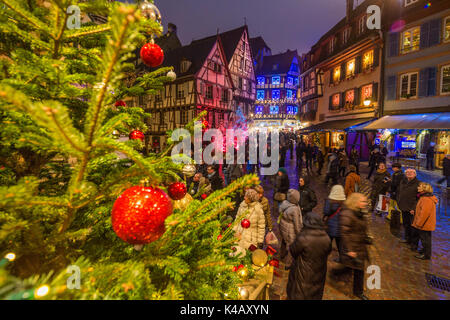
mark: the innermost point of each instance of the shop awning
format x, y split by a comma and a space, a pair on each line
336, 125
412, 121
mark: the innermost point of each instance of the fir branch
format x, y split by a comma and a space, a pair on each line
86, 31
26, 15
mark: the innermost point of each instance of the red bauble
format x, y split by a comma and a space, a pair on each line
204, 196
240, 266
137, 134
152, 55
245, 224
235, 269
120, 103
219, 237
177, 190
274, 263
139, 213
270, 251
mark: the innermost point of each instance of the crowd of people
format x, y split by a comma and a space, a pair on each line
306, 235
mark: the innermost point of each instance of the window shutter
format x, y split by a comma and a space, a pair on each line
435, 32
423, 82
394, 42
376, 57
392, 88
375, 92
330, 106
358, 64
342, 99
331, 77
343, 71
357, 96
432, 72
424, 35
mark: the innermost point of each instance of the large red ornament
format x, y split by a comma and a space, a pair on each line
120, 103
177, 190
152, 55
139, 213
137, 134
245, 224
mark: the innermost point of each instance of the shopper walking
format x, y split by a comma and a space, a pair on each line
352, 181
407, 201
308, 198
380, 185
331, 210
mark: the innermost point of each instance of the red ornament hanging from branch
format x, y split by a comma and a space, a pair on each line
137, 134
152, 55
139, 213
177, 190
120, 103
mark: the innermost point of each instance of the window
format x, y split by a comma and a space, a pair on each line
221, 116
332, 45
447, 29
296, 81
409, 2
240, 83
289, 94
350, 66
367, 60
276, 80
361, 24
367, 92
261, 81
225, 95
249, 86
336, 74
180, 94
276, 94
274, 109
241, 63
411, 40
336, 100
408, 85
158, 97
260, 95
350, 97
345, 35
259, 109
217, 68
184, 116
291, 110
290, 81
445, 79
209, 92
185, 65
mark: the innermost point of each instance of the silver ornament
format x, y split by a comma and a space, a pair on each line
244, 293
172, 75
150, 11
189, 170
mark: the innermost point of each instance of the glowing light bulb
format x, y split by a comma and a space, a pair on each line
367, 102
42, 291
11, 256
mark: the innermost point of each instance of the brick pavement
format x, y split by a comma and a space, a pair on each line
402, 275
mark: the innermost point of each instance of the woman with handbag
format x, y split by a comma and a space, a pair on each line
424, 220
281, 188
332, 208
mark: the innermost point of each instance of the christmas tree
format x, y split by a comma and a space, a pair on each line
62, 170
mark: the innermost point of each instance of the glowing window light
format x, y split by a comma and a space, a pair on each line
351, 68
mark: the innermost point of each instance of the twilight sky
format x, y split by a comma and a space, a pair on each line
284, 24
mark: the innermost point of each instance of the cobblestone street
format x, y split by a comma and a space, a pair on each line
403, 277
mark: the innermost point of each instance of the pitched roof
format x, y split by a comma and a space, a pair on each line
230, 40
257, 44
283, 60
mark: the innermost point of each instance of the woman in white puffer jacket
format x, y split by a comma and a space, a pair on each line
251, 210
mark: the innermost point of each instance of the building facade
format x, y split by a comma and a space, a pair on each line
276, 91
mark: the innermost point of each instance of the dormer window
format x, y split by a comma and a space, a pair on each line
345, 35
276, 80
332, 45
361, 24
185, 65
261, 81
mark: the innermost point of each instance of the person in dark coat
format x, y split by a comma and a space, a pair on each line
407, 201
353, 228
281, 185
354, 159
446, 171
308, 199
375, 158
430, 157
381, 183
214, 178
309, 156
331, 210
397, 177
333, 169
310, 252
320, 161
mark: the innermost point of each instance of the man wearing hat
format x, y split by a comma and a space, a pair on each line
397, 177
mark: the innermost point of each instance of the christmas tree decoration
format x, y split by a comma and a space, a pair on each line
152, 55
244, 294
270, 251
150, 11
243, 273
189, 170
172, 75
219, 237
183, 203
116, 134
259, 258
177, 190
245, 223
274, 263
204, 196
252, 247
139, 213
137, 134
9, 257
120, 103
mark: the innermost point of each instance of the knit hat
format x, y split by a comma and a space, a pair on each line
337, 193
397, 165
252, 195
282, 170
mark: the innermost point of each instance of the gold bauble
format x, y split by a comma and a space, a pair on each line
259, 258
183, 203
244, 294
189, 170
243, 274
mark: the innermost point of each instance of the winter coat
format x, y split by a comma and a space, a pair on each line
407, 194
310, 251
425, 214
216, 181
266, 208
290, 217
333, 165
381, 183
329, 210
353, 227
446, 167
350, 183
308, 199
397, 177
282, 184
343, 160
255, 233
